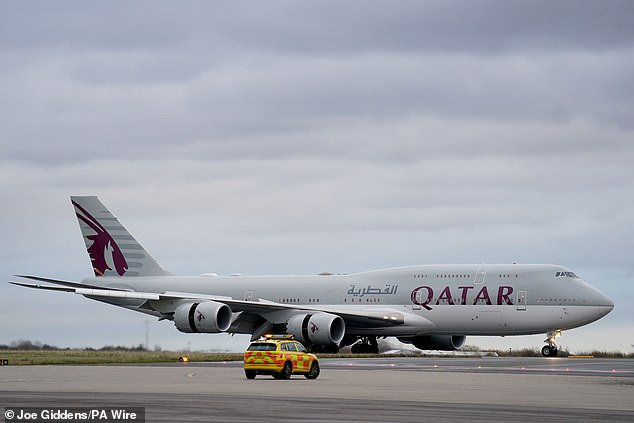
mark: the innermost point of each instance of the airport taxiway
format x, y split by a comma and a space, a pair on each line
390, 389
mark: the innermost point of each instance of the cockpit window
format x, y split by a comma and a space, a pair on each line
566, 275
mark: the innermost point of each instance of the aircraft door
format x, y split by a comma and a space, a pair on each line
481, 274
521, 300
417, 300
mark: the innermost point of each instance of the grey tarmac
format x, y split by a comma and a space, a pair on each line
348, 390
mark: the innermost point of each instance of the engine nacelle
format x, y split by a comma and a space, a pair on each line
317, 328
203, 317
436, 342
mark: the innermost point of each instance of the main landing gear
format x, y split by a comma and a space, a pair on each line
551, 349
367, 345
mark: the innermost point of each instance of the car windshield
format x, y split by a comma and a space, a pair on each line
261, 346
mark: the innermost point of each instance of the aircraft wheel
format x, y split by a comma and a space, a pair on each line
550, 351
314, 371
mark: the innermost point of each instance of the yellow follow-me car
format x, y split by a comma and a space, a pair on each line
279, 356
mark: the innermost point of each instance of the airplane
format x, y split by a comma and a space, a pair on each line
433, 307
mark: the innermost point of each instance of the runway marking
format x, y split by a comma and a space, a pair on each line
539, 368
562, 366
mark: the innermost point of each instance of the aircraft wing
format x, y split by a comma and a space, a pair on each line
263, 307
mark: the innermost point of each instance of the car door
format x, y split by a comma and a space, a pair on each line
303, 359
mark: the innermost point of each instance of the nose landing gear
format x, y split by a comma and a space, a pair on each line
551, 349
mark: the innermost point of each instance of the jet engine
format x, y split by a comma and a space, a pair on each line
317, 328
202, 317
436, 342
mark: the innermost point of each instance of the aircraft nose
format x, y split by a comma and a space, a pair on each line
605, 303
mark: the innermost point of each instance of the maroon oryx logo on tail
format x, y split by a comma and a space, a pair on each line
104, 251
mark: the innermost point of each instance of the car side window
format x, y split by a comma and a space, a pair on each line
284, 347
300, 347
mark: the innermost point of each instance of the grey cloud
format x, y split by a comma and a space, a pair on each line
325, 27
285, 107
304, 137
212, 83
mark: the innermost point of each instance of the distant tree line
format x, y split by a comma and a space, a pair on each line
25, 345
29, 346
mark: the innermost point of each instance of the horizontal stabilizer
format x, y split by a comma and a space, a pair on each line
48, 287
60, 282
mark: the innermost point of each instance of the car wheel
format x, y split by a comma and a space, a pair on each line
250, 374
287, 371
314, 371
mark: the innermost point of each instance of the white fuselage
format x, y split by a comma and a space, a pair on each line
434, 299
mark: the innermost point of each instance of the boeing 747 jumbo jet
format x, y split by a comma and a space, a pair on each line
433, 307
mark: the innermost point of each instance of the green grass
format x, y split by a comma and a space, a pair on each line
22, 358
79, 357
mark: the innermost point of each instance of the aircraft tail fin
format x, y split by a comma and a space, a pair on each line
112, 249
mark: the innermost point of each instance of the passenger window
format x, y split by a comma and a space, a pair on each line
300, 347
284, 347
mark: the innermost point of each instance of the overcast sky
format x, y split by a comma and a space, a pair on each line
301, 137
